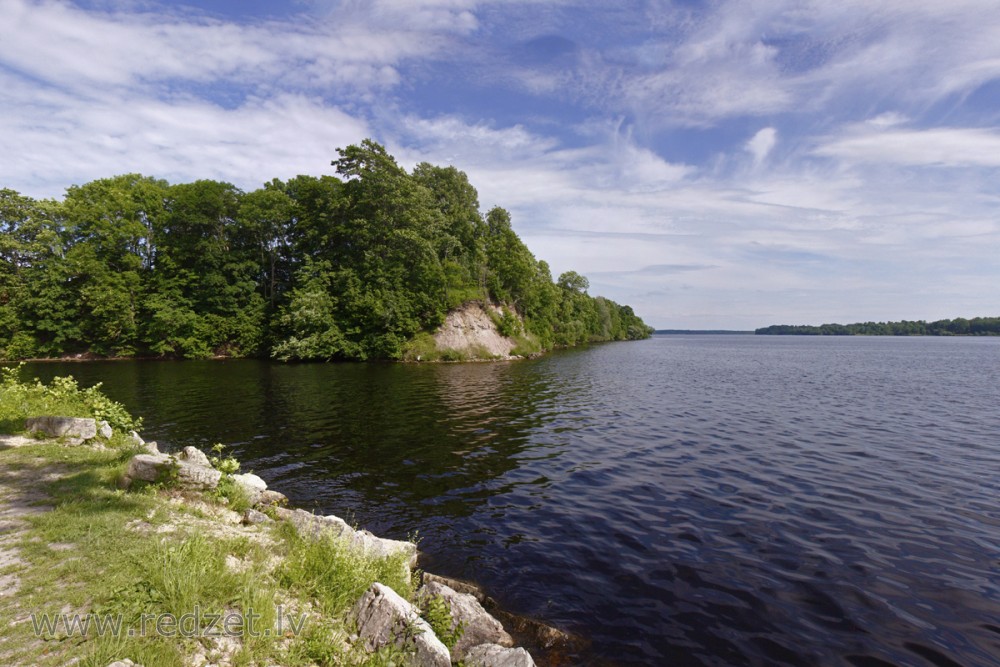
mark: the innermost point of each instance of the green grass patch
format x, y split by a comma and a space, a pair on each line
326, 570
139, 558
526, 345
421, 347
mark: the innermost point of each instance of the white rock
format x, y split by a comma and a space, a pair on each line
491, 655
478, 626
149, 467
163, 468
252, 484
197, 476
382, 547
312, 525
253, 517
136, 439
371, 545
74, 429
104, 430
385, 618
194, 456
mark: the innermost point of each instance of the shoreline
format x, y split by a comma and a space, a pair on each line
189, 491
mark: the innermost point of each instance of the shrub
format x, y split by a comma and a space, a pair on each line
63, 397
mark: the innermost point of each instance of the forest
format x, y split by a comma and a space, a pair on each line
977, 326
347, 267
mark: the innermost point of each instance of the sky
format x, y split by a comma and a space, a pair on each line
724, 164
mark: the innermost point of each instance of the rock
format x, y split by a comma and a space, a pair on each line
104, 430
253, 518
542, 635
385, 618
382, 547
123, 663
271, 498
74, 429
555, 644
491, 655
152, 447
197, 477
195, 456
252, 484
167, 469
313, 525
478, 626
285, 514
136, 439
457, 585
379, 547
234, 564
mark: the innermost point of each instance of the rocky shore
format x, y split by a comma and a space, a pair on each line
380, 619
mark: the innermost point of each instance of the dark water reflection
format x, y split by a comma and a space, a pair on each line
685, 501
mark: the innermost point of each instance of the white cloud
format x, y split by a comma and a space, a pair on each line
71, 143
80, 50
946, 147
761, 144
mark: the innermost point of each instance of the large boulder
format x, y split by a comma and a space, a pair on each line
313, 525
491, 655
194, 456
384, 618
478, 627
270, 498
253, 485
75, 430
382, 547
167, 469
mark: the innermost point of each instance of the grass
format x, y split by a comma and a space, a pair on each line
526, 345
141, 554
423, 348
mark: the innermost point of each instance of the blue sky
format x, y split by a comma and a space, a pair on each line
724, 164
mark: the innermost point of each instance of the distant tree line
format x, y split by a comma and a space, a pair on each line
348, 267
977, 326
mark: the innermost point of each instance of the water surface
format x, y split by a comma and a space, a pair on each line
702, 500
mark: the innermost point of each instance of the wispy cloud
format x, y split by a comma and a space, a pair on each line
944, 146
761, 144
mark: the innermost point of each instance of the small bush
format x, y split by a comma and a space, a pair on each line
438, 615
226, 465
507, 324
236, 496
64, 397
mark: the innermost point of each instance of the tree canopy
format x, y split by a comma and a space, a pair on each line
346, 267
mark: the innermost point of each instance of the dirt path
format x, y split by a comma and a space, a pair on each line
19, 499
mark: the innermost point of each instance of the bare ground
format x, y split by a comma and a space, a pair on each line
470, 329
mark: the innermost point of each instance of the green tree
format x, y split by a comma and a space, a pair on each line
109, 225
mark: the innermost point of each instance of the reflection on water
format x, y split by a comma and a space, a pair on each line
688, 501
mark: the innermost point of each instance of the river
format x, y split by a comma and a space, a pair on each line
685, 500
